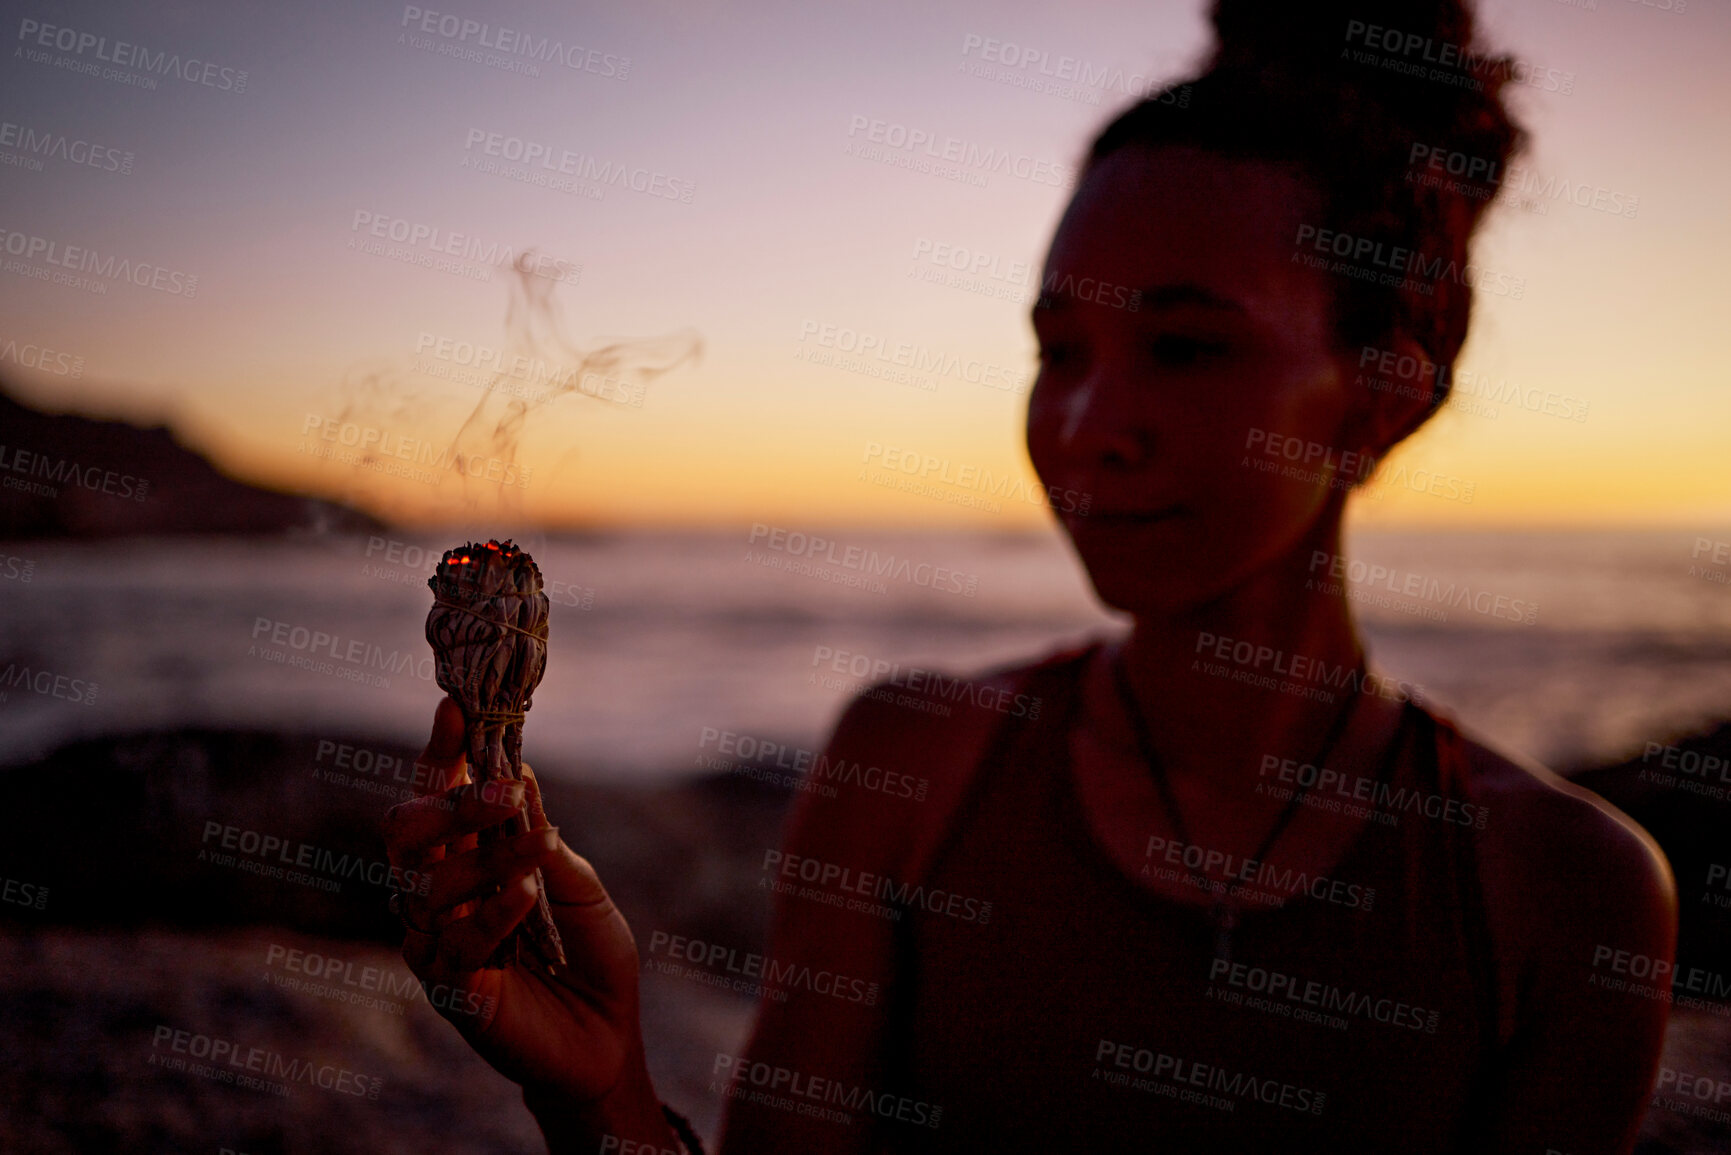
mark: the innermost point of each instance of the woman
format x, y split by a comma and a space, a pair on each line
1230, 890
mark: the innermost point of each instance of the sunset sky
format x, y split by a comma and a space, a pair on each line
760, 237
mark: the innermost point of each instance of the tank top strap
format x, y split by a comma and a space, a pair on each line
1449, 769
1051, 686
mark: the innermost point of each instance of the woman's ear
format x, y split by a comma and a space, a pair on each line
1393, 385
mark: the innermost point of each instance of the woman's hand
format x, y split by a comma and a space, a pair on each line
570, 1036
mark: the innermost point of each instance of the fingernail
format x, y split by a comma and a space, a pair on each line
535, 843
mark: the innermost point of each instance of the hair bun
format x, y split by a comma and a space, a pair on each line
1416, 59
1317, 30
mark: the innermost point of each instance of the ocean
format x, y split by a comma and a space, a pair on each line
1569, 647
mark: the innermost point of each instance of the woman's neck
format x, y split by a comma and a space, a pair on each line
1229, 682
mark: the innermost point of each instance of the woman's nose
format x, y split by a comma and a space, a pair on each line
1105, 418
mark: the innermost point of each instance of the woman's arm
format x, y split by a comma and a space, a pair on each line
841, 1040
1576, 893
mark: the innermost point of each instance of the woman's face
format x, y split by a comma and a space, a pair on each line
1160, 415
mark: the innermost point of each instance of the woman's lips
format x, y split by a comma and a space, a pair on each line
1111, 522
1108, 517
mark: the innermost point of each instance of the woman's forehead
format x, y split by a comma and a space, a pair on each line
1148, 217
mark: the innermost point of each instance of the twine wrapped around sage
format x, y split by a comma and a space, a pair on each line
488, 630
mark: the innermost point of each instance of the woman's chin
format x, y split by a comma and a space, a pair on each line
1152, 591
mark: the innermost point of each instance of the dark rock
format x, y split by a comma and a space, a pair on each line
1681, 794
62, 475
172, 828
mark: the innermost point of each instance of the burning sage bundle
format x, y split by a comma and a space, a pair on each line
488, 630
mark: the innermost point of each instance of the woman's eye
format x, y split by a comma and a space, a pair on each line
1171, 349
1057, 353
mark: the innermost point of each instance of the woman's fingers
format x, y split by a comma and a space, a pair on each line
532, 801
569, 878
464, 945
458, 878
445, 758
574, 890
476, 895
414, 829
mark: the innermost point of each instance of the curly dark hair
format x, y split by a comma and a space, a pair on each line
1350, 92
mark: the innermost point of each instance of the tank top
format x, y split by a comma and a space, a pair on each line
1080, 1012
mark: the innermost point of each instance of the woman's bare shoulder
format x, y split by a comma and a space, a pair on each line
914, 740
1561, 864
921, 710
